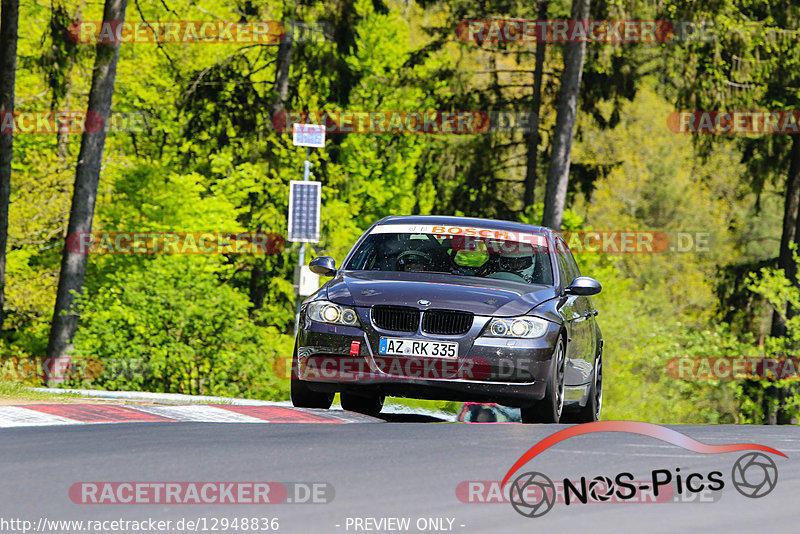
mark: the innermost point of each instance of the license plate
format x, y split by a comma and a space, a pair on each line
414, 347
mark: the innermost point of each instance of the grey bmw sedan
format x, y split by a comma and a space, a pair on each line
453, 308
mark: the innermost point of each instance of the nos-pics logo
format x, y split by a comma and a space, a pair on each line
533, 494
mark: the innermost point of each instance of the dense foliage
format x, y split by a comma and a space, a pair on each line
203, 155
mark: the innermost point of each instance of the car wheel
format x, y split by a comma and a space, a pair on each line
368, 404
548, 410
305, 397
591, 411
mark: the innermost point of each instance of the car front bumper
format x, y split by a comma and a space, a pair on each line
509, 371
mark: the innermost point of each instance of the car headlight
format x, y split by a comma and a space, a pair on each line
516, 327
323, 311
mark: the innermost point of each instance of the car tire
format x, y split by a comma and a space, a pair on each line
548, 410
368, 404
591, 411
305, 397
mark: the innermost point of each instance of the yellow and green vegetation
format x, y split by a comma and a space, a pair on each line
204, 156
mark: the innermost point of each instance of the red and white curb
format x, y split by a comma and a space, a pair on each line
71, 414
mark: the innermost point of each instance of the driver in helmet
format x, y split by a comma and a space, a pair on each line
413, 260
519, 263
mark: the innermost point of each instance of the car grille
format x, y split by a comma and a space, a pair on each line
397, 319
446, 322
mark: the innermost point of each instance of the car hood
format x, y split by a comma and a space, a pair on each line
477, 295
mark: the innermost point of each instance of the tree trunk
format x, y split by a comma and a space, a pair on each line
258, 286
558, 172
62, 136
284, 63
60, 59
532, 138
791, 227
9, 29
777, 414
87, 177
344, 35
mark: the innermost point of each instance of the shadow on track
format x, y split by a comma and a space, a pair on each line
411, 418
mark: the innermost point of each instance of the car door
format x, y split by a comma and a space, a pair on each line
580, 358
589, 312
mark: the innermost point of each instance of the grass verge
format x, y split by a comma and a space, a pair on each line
14, 391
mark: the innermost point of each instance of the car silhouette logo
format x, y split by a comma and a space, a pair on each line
423, 302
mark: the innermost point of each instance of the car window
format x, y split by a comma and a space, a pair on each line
564, 268
498, 255
573, 265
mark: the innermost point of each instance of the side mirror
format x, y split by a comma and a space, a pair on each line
584, 286
324, 266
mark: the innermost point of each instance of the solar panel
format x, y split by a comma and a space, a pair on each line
304, 209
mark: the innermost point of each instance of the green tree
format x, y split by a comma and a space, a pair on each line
750, 63
172, 327
9, 27
558, 172
87, 176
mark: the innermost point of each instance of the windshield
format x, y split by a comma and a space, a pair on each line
484, 253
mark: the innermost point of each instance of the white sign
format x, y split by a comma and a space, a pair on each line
312, 135
306, 282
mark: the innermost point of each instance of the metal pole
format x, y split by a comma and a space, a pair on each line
307, 166
301, 257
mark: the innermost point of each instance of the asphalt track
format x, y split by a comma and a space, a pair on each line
381, 470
